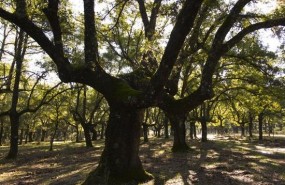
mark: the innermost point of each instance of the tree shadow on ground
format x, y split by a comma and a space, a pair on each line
67, 164
223, 161
214, 162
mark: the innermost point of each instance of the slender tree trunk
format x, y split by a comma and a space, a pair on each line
250, 126
158, 132
221, 127
195, 130
260, 124
145, 132
120, 162
204, 130
15, 121
179, 132
26, 134
242, 125
53, 136
77, 134
192, 130
14, 116
21, 137
1, 131
165, 123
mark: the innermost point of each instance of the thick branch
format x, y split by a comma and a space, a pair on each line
21, 8
149, 24
143, 15
261, 25
52, 14
229, 22
153, 16
90, 36
184, 24
37, 34
67, 73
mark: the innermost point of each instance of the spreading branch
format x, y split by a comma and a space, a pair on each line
184, 24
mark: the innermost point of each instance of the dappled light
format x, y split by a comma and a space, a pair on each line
154, 92
220, 161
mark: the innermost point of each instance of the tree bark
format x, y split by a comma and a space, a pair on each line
260, 124
94, 134
53, 136
221, 127
43, 135
179, 132
13, 151
165, 123
88, 140
77, 134
145, 132
1, 131
250, 126
242, 129
13, 114
120, 162
31, 139
21, 137
192, 130
204, 130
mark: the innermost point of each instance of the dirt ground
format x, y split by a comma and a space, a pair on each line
221, 161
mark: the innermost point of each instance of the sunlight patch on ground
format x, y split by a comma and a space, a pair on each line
6, 176
242, 176
267, 150
176, 180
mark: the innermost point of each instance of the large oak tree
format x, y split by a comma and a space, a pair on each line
129, 94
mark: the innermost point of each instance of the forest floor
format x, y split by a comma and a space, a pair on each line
221, 161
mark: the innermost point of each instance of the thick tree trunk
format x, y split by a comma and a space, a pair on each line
179, 132
15, 121
94, 134
31, 136
204, 130
260, 124
120, 162
86, 129
43, 135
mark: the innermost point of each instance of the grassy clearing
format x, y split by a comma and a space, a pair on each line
220, 161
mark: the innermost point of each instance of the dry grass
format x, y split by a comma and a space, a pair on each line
220, 161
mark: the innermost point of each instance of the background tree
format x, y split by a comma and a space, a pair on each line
130, 93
